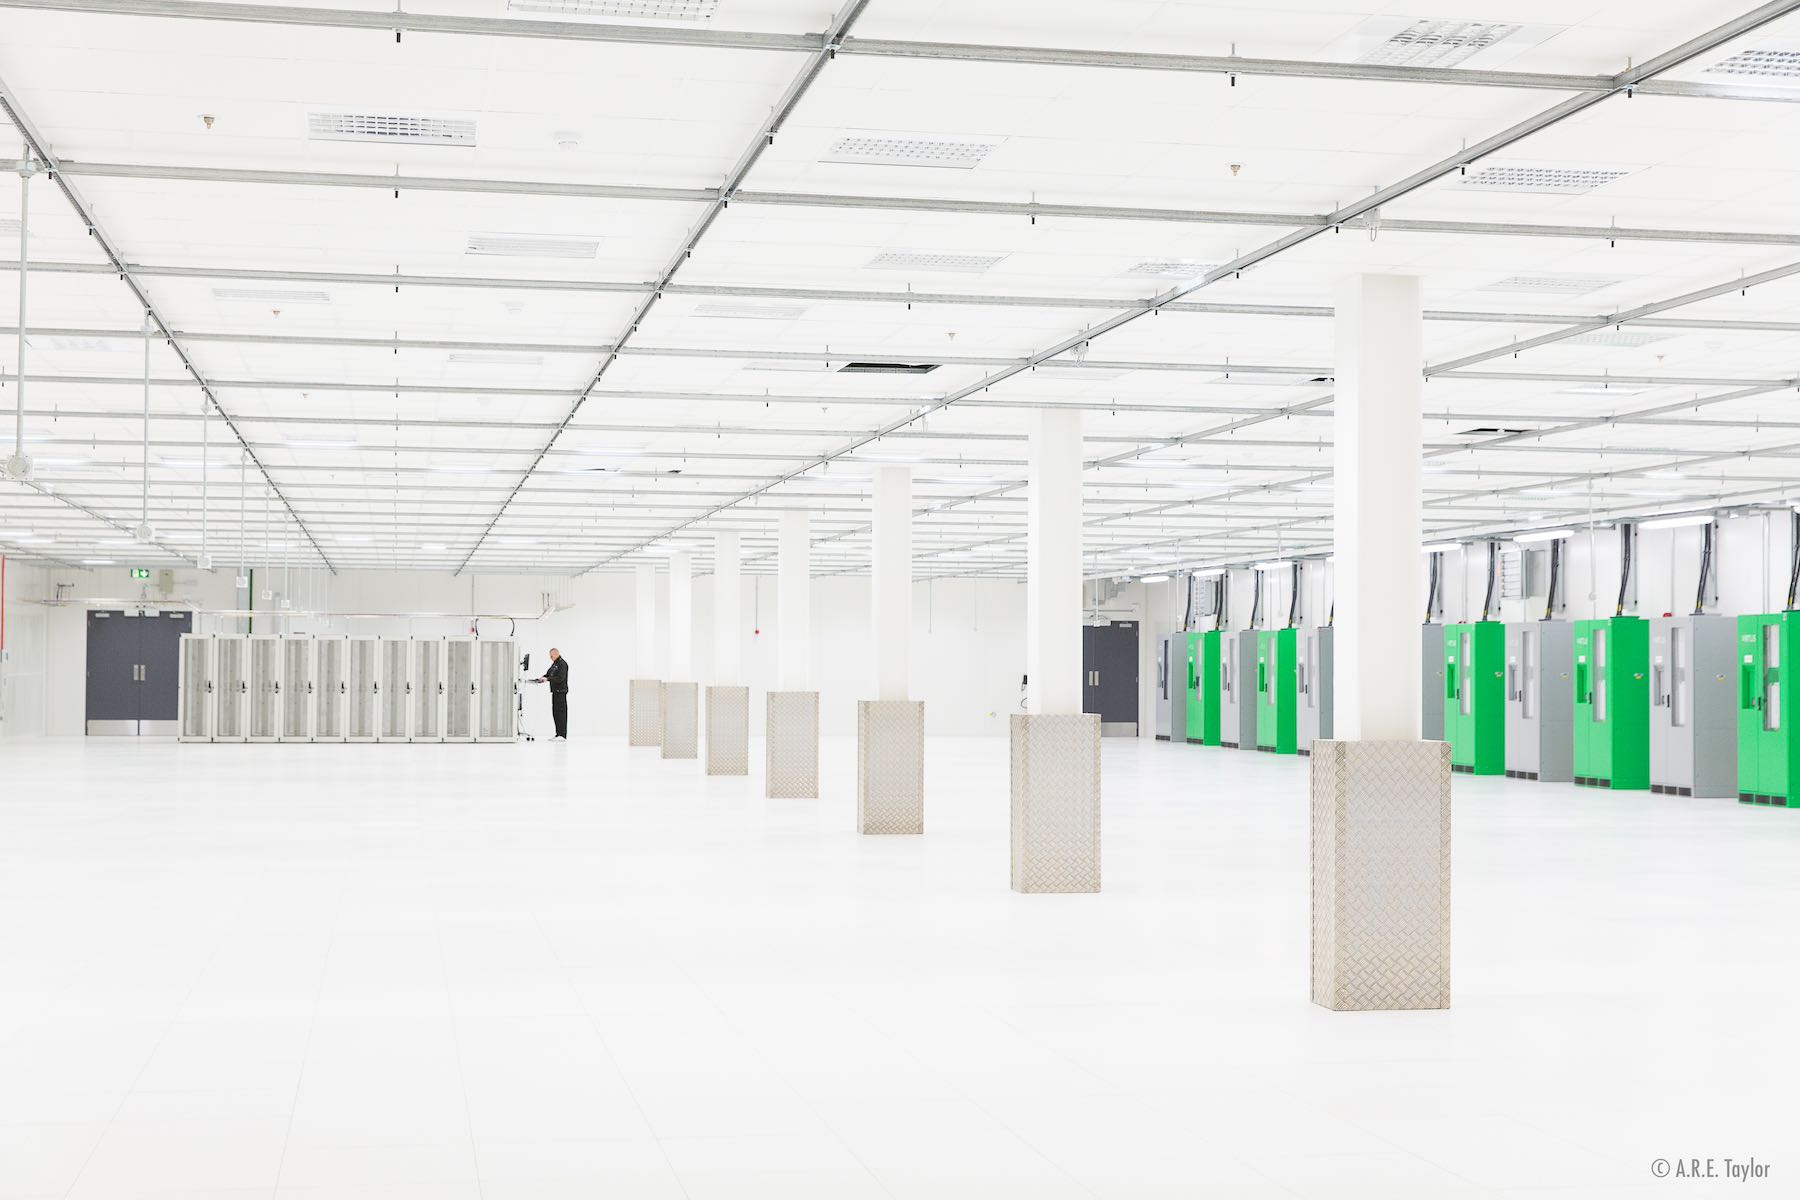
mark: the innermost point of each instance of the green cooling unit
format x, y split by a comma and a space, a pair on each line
1768, 748
1276, 691
1475, 697
1203, 687
1612, 703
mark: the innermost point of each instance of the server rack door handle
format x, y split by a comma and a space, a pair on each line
1658, 697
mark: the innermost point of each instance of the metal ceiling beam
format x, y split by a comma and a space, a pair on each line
1033, 210
831, 42
37, 146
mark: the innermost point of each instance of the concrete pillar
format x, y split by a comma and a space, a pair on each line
727, 700
1380, 796
890, 729
1055, 746
644, 695
791, 742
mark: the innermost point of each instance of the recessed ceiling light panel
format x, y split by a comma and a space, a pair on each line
1172, 268
272, 295
1438, 43
751, 312
532, 245
902, 150
1768, 62
932, 262
642, 10
1566, 285
1618, 339
391, 128
496, 358
1532, 177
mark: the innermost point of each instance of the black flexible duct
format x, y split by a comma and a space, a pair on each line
1256, 599
1187, 605
1706, 556
1625, 540
1555, 579
1294, 600
1437, 559
1487, 600
1794, 556
1221, 594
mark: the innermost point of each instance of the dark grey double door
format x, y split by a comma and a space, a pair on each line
1109, 681
134, 671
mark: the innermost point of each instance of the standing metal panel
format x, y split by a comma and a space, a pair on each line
1165, 658
1431, 679
263, 722
298, 689
362, 689
330, 690
231, 696
1693, 700
1315, 684
499, 691
427, 690
460, 678
1239, 727
1230, 702
396, 690
1524, 712
197, 706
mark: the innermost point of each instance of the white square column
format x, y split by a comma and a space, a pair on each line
727, 700
1380, 797
1055, 746
644, 709
680, 694
890, 729
791, 741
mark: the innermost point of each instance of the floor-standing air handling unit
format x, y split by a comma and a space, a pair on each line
1693, 706
1315, 683
197, 706
1431, 696
362, 689
1204, 700
1165, 685
1275, 690
1474, 656
263, 722
331, 689
497, 716
1612, 703
1768, 748
393, 720
460, 668
427, 679
1237, 689
299, 689
1540, 712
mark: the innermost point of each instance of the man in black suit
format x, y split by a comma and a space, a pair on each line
557, 676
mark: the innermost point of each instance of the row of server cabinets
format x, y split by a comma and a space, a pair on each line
1621, 702
279, 688
1246, 689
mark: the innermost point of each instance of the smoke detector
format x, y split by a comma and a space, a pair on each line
18, 467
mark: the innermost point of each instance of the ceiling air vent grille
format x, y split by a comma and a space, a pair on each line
496, 358
9, 227
880, 368
1762, 64
1618, 339
752, 312
1492, 431
1565, 285
922, 260
529, 245
1438, 43
391, 128
956, 153
272, 296
1523, 178
1172, 268
645, 10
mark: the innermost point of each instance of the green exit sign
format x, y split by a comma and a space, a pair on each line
140, 572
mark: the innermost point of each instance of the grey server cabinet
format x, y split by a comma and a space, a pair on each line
298, 689
1693, 706
264, 717
394, 709
1165, 666
197, 707
362, 689
499, 691
231, 687
461, 674
1315, 683
330, 689
1431, 671
1540, 700
427, 690
1237, 690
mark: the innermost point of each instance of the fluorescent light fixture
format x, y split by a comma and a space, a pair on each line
98, 562
392, 128
533, 245
910, 150
460, 471
1209, 573
1154, 579
517, 541
1275, 564
353, 538
1681, 522
1603, 389
320, 444
272, 295
1543, 535
1439, 547
434, 547
13, 535
639, 10
931, 261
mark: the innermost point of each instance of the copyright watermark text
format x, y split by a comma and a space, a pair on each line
1741, 1169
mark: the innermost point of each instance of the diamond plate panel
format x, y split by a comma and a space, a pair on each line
681, 720
1381, 875
791, 747
645, 711
890, 766
1056, 803
728, 730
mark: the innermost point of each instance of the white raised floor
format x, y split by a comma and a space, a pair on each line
573, 970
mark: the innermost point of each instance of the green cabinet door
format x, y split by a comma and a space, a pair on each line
1196, 695
1212, 651
1768, 740
1749, 707
1475, 696
1584, 702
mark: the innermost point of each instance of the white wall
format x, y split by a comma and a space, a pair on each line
968, 637
24, 664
